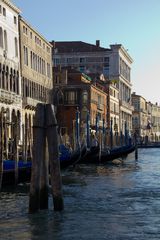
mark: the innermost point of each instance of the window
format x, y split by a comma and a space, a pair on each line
48, 49
30, 35
25, 52
106, 70
1, 37
15, 20
0, 9
31, 59
82, 60
82, 68
85, 97
71, 97
106, 60
4, 12
16, 47
48, 70
27, 56
5, 40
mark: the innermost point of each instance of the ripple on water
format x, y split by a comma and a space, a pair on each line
101, 202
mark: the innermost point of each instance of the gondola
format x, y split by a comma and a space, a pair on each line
95, 156
68, 158
24, 172
119, 152
90, 155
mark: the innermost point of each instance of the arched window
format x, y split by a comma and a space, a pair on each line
5, 40
3, 77
17, 82
16, 47
14, 81
7, 78
1, 37
11, 80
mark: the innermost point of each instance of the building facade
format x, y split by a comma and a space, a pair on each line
140, 116
155, 121
120, 71
10, 75
36, 71
75, 90
114, 63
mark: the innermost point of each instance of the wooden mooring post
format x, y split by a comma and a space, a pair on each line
45, 127
1, 156
38, 157
136, 152
53, 147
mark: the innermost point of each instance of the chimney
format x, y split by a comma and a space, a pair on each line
53, 44
98, 43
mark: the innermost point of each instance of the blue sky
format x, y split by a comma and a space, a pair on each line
135, 24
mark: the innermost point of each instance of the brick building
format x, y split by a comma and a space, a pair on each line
72, 90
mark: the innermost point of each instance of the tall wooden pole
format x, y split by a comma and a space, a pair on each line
88, 130
77, 129
23, 143
38, 156
1, 153
111, 134
15, 149
44, 178
26, 138
53, 147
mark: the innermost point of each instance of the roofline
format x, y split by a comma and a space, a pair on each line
11, 5
120, 46
33, 29
136, 95
102, 48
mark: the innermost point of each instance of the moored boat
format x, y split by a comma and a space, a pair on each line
95, 156
119, 152
24, 172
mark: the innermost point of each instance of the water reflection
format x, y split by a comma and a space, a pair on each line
101, 202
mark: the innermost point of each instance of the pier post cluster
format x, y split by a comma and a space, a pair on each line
45, 161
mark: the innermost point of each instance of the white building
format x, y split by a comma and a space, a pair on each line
120, 71
10, 79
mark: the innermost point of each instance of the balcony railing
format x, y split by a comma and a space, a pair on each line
143, 110
27, 101
127, 105
9, 97
71, 102
100, 106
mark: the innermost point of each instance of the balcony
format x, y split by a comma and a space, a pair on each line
100, 106
9, 97
143, 110
126, 105
71, 103
30, 102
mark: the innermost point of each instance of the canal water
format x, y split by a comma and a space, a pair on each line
101, 202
